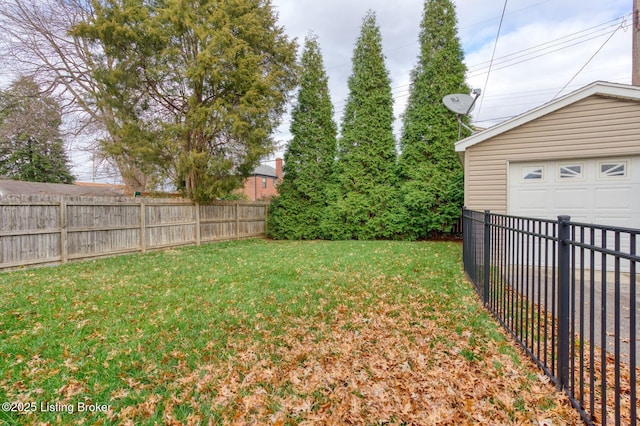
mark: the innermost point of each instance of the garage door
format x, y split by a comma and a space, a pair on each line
604, 191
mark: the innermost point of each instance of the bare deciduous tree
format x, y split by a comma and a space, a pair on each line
37, 41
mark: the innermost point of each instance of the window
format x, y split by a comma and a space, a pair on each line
532, 172
613, 169
573, 171
264, 182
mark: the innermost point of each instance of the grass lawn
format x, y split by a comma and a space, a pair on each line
263, 332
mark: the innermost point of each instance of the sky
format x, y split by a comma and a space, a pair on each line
543, 46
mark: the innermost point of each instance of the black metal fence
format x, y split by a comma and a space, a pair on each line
567, 292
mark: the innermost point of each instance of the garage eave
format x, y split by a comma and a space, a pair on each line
602, 88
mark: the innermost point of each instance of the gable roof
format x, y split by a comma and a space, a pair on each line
601, 88
263, 170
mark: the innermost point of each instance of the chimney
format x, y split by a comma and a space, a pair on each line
279, 169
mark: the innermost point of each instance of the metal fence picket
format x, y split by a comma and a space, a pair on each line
537, 277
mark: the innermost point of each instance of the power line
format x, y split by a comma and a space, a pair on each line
587, 63
508, 13
535, 57
609, 24
507, 61
495, 45
532, 93
560, 43
403, 90
542, 49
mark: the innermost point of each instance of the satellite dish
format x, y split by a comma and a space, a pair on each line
459, 103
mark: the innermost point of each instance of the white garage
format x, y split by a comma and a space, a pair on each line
578, 155
602, 190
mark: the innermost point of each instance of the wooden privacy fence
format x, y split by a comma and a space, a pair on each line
42, 230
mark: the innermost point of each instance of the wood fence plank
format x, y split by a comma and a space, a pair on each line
43, 230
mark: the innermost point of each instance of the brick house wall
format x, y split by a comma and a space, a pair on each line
261, 185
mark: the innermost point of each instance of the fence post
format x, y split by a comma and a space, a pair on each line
266, 219
465, 244
487, 254
64, 252
143, 227
237, 220
197, 212
564, 234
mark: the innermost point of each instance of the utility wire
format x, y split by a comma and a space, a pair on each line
483, 22
505, 63
556, 42
495, 45
537, 56
533, 93
589, 60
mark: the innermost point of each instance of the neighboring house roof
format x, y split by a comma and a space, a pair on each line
16, 187
263, 170
601, 88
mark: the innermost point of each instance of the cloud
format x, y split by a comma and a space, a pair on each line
558, 55
516, 84
337, 25
512, 87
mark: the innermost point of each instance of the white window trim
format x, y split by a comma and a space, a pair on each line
602, 176
574, 178
525, 170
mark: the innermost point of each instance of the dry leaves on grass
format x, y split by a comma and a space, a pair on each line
593, 402
588, 376
383, 368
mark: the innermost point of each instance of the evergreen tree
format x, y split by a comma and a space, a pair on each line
430, 172
31, 147
365, 192
309, 159
212, 77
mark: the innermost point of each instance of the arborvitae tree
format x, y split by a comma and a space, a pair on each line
31, 146
365, 192
309, 159
431, 174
